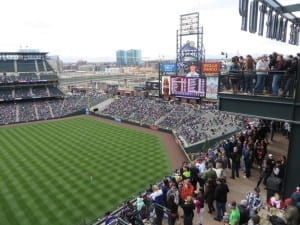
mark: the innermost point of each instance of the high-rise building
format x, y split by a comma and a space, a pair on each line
132, 57
121, 58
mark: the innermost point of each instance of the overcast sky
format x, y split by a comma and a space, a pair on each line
96, 29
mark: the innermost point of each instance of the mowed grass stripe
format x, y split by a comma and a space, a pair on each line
51, 164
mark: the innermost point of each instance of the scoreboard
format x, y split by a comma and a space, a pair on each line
188, 86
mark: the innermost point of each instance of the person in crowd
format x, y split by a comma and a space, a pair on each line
262, 68
295, 196
209, 173
236, 163
277, 71
247, 155
235, 69
249, 74
254, 220
188, 207
221, 192
254, 201
165, 188
234, 217
266, 170
276, 201
209, 194
127, 213
140, 202
244, 212
186, 173
199, 205
173, 191
186, 190
109, 218
273, 185
220, 171
290, 77
194, 171
201, 164
260, 151
173, 207
225, 159
226, 218
157, 198
291, 213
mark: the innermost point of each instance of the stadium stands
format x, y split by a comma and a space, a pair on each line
193, 124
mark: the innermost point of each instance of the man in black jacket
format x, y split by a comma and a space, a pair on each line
221, 198
244, 212
236, 162
290, 77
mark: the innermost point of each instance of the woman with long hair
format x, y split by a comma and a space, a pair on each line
249, 74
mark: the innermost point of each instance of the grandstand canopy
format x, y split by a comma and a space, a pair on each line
22, 55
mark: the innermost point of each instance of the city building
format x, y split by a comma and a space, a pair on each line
132, 57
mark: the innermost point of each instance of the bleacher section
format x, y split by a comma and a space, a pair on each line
192, 124
40, 109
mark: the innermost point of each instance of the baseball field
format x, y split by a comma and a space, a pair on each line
68, 171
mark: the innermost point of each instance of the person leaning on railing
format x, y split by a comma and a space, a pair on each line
249, 74
235, 69
262, 68
277, 71
290, 77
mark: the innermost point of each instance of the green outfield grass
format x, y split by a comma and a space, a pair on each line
45, 170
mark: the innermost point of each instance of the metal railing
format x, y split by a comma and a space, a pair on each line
273, 83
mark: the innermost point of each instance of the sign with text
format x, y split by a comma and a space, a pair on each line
210, 67
189, 24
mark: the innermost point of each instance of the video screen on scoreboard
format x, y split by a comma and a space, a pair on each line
188, 86
188, 69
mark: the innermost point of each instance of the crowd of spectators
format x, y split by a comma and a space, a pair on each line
138, 109
8, 113
20, 111
202, 185
27, 92
192, 124
271, 74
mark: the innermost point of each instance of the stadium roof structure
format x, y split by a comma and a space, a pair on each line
24, 53
276, 15
290, 9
